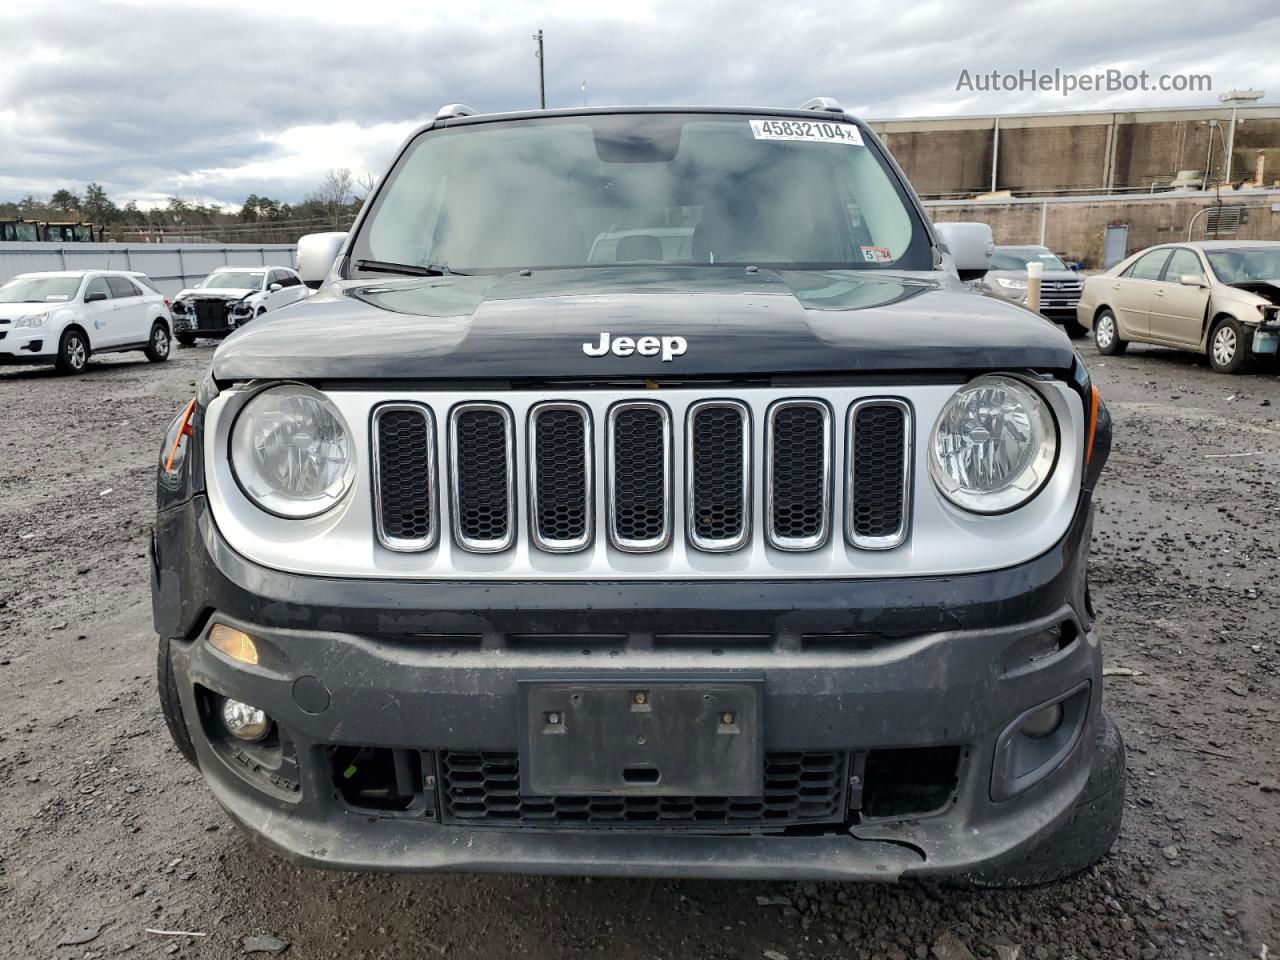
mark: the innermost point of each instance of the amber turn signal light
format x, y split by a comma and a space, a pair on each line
236, 644
184, 430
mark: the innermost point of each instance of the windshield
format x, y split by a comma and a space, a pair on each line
1017, 258
232, 280
1246, 264
638, 189
39, 289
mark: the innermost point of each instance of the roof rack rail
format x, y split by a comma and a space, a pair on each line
454, 110
829, 104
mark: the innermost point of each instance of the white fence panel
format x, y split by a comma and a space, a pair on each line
171, 266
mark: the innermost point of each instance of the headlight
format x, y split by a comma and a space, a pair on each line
31, 320
291, 452
242, 306
993, 446
1011, 284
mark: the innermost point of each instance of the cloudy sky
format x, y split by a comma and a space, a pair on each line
213, 100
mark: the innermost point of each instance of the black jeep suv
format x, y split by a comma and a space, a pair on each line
644, 493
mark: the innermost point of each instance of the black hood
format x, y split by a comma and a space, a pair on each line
734, 322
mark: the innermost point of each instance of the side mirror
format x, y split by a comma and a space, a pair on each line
1191, 280
275, 286
316, 254
970, 245
96, 297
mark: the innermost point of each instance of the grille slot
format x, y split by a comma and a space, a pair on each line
560, 470
639, 476
798, 474
482, 446
404, 482
483, 789
718, 461
878, 493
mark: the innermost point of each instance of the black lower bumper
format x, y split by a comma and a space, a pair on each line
860, 671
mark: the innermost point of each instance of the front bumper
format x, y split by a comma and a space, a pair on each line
27, 345
857, 668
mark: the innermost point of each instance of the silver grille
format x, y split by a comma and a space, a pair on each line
482, 476
878, 485
561, 492
718, 509
718, 467
639, 476
798, 474
404, 477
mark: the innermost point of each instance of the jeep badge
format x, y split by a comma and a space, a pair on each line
670, 347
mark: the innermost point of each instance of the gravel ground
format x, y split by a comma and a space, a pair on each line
106, 832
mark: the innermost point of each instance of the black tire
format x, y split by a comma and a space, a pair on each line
1106, 335
73, 352
259, 313
1085, 837
187, 339
158, 346
1230, 347
171, 706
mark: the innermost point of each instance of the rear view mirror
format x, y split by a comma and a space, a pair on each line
1191, 280
316, 254
95, 297
970, 245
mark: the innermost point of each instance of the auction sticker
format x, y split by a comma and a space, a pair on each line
816, 131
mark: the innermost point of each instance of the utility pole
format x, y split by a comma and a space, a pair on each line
542, 72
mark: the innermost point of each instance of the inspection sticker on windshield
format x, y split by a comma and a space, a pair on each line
818, 131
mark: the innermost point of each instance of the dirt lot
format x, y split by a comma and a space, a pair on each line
106, 832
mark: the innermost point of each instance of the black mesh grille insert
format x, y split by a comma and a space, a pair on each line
798, 473
561, 487
639, 475
879, 458
483, 491
718, 508
483, 789
405, 483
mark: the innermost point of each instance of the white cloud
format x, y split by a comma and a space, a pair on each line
214, 100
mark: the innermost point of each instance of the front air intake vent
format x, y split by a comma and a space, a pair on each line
878, 493
404, 481
639, 476
798, 474
482, 447
718, 456
560, 469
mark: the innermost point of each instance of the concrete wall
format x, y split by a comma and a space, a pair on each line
170, 266
1083, 152
1075, 227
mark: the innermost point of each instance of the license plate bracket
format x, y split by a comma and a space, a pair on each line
642, 737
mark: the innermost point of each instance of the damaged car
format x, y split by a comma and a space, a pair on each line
230, 297
758, 549
1216, 297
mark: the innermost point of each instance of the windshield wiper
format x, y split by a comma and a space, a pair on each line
408, 269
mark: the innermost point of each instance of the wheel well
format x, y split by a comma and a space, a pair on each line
1102, 308
164, 323
78, 329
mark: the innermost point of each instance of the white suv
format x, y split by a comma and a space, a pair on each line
230, 297
65, 317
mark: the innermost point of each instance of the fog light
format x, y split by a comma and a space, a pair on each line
1043, 722
236, 644
243, 721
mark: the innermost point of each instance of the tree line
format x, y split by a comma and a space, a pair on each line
335, 200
